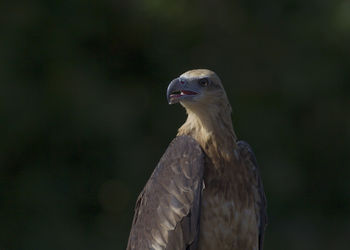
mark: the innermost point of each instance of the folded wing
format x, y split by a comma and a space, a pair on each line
168, 209
247, 153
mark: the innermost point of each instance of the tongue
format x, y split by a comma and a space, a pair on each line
187, 92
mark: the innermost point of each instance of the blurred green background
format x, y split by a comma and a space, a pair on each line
84, 117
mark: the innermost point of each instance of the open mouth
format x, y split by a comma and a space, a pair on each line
181, 93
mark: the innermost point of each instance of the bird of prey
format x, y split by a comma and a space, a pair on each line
206, 191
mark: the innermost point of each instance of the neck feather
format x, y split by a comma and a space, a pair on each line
213, 130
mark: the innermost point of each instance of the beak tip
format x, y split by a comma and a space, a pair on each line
168, 100
171, 87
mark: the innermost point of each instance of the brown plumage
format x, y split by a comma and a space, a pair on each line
206, 192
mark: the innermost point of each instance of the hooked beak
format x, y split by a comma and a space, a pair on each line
178, 90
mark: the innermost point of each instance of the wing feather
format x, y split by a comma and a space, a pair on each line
168, 209
247, 152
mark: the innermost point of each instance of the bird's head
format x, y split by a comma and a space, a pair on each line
199, 88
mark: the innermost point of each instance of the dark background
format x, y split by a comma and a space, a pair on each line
84, 117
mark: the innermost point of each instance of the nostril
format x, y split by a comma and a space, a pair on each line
182, 81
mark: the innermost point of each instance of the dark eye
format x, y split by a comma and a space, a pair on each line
203, 82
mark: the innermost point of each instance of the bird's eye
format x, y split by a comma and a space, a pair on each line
203, 82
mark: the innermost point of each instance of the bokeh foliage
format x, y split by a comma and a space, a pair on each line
84, 117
